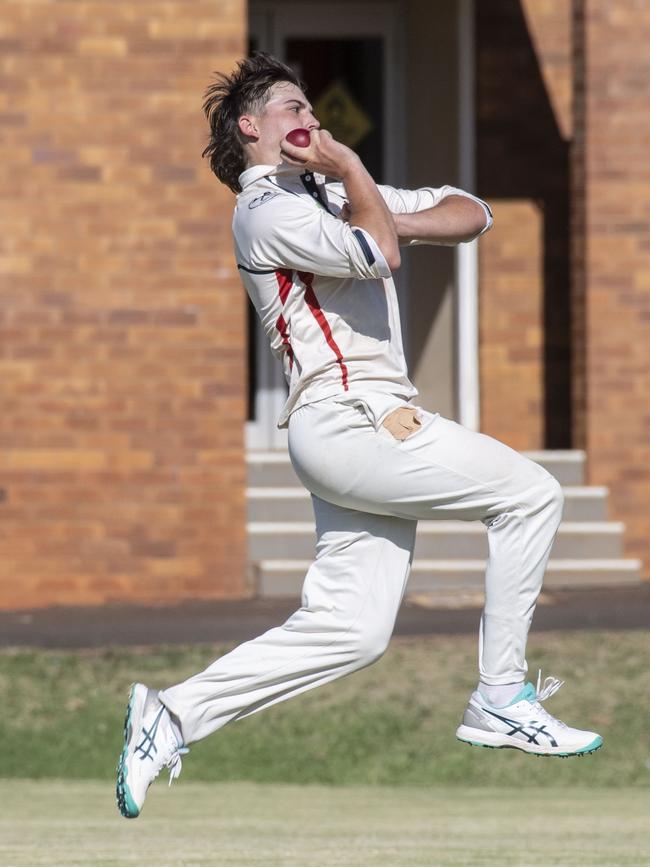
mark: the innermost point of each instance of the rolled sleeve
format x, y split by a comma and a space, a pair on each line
411, 201
489, 219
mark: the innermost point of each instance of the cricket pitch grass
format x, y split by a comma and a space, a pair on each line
75, 824
365, 771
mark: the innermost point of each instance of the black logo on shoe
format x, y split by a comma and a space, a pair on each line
147, 745
530, 730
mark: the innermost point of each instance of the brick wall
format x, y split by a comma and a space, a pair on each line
611, 257
523, 122
122, 355
511, 325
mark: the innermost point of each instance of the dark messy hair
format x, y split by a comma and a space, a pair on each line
231, 96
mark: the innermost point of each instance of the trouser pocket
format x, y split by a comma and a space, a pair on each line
402, 422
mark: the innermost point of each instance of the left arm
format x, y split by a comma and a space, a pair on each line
432, 215
454, 220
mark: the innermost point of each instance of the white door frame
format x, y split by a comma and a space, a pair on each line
467, 298
272, 22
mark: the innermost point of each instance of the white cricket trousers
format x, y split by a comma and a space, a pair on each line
369, 490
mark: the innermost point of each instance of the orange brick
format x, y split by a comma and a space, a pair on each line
122, 285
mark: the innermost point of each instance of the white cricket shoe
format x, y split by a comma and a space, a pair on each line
525, 725
149, 745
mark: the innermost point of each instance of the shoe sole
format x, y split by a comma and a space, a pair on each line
125, 801
477, 738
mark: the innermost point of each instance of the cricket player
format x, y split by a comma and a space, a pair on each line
316, 242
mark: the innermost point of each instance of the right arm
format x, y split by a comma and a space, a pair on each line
367, 208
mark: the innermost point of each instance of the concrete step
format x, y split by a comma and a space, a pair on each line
294, 504
277, 578
568, 467
273, 468
449, 555
447, 540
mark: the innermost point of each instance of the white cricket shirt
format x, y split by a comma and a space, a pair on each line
322, 288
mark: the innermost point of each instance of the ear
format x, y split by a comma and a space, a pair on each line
247, 126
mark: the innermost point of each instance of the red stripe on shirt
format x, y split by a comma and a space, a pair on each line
285, 282
319, 316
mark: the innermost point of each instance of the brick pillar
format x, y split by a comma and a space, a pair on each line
511, 326
610, 262
123, 329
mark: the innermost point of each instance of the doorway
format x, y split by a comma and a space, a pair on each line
349, 56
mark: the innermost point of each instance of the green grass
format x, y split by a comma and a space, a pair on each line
391, 724
75, 824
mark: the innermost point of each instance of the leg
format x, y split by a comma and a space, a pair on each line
520, 541
350, 600
444, 471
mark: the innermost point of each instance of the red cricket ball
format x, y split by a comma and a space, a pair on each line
299, 137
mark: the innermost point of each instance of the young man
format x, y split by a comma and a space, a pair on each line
316, 240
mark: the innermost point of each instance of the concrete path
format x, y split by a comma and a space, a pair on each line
227, 622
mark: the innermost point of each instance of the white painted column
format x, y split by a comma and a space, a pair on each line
467, 309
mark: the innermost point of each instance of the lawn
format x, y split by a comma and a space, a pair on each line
65, 824
391, 724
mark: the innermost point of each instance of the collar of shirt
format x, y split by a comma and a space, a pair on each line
255, 173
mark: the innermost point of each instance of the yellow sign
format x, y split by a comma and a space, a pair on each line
340, 114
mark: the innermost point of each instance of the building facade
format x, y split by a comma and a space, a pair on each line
134, 380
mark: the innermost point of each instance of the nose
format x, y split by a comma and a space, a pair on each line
312, 122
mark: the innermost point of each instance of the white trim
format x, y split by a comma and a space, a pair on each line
467, 310
271, 493
442, 528
271, 395
266, 492
565, 456
576, 565
584, 492
262, 457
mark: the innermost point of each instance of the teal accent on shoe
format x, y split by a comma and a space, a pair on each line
125, 802
596, 744
528, 693
131, 808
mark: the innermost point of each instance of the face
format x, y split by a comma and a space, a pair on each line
287, 108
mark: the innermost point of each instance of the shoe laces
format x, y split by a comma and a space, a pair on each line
544, 691
172, 760
549, 688
175, 763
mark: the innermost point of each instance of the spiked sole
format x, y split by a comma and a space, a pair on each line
125, 802
530, 749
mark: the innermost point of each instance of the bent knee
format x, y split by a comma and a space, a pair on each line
547, 500
554, 496
370, 646
542, 493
